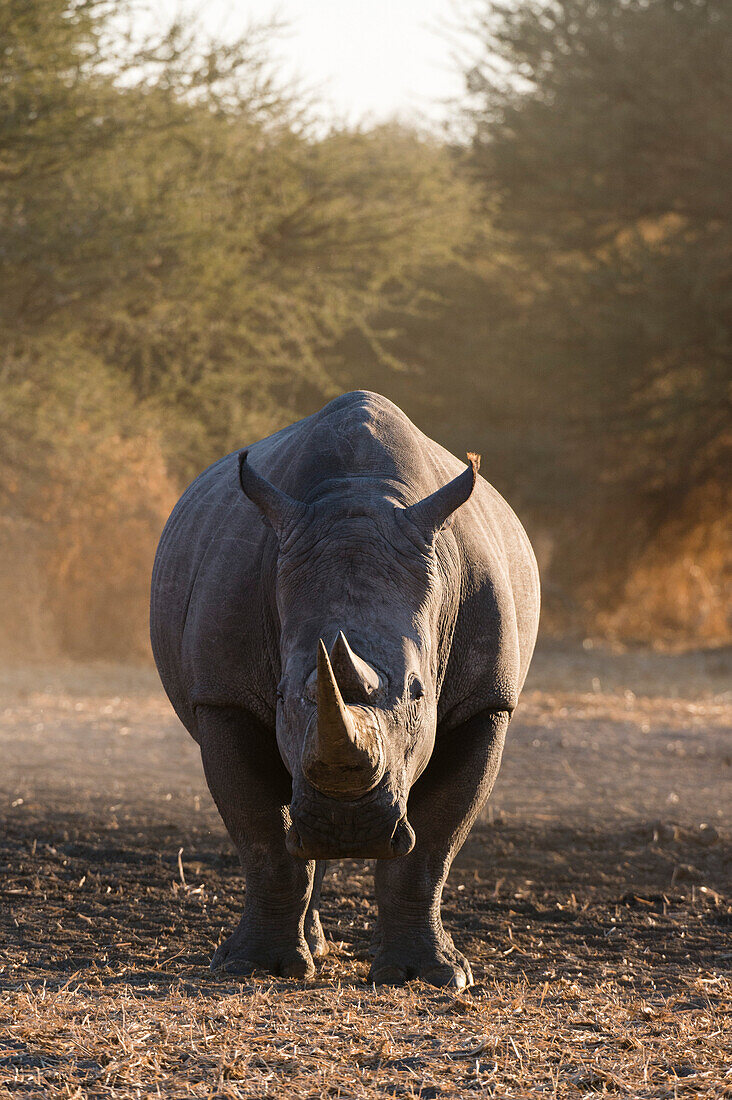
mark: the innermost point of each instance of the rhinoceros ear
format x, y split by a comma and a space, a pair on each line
432, 513
279, 510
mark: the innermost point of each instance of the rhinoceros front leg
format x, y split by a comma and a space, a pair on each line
251, 788
443, 806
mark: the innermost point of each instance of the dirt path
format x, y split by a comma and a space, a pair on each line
594, 901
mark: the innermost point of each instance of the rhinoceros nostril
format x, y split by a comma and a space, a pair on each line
403, 838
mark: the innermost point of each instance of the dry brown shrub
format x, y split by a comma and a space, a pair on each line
75, 574
103, 512
26, 625
680, 589
75, 571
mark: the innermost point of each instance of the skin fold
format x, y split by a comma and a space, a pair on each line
343, 616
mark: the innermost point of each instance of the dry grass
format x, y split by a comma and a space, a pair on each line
264, 1039
594, 902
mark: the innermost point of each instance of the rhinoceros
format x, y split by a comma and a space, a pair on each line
343, 616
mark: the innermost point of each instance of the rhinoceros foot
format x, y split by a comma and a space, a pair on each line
435, 963
244, 954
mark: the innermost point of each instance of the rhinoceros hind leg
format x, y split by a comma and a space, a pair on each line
314, 934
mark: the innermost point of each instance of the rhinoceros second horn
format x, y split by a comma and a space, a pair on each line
354, 676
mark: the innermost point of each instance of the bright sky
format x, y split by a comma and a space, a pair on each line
368, 59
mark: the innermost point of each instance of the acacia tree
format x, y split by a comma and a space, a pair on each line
599, 133
180, 252
91, 134
168, 210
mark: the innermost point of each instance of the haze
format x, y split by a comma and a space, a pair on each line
367, 61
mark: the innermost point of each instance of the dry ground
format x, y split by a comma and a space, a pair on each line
594, 901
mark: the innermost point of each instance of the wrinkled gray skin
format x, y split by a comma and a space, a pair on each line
343, 618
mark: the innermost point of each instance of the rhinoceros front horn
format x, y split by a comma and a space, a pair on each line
343, 755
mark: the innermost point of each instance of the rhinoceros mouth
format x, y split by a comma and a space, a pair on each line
306, 844
328, 829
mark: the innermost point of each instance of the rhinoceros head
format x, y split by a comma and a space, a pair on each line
362, 596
